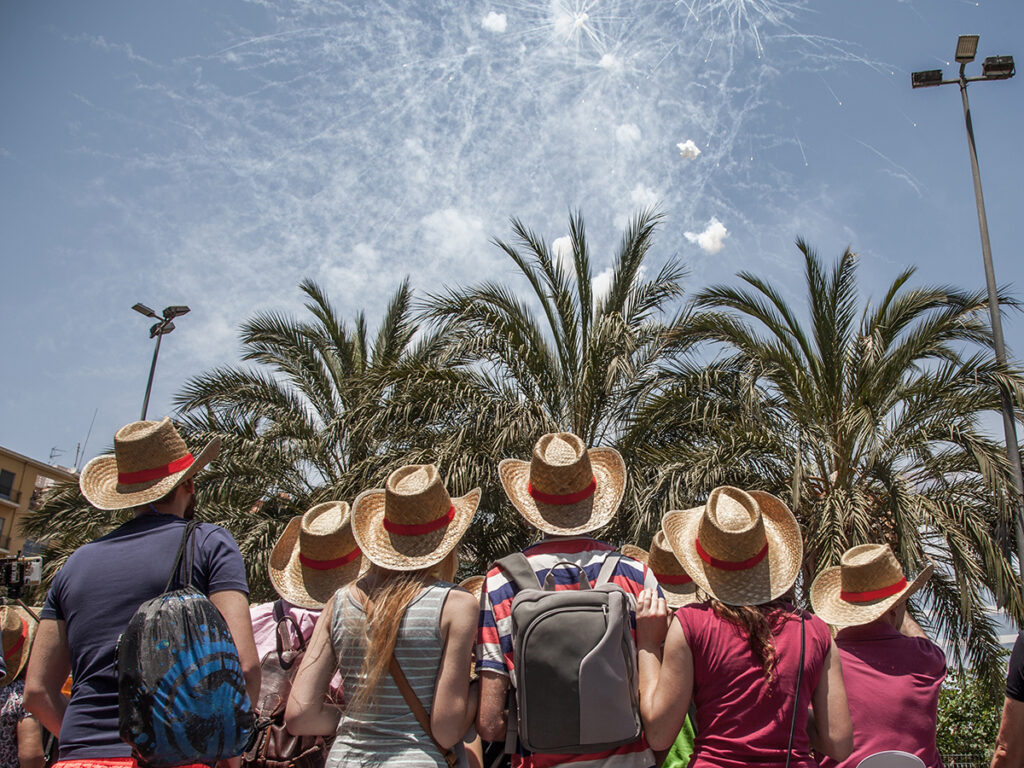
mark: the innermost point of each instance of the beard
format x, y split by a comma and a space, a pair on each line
190, 509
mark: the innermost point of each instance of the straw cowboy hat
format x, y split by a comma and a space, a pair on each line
315, 556
149, 460
17, 630
412, 523
868, 582
675, 582
565, 489
741, 547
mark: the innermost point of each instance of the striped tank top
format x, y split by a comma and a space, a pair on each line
385, 730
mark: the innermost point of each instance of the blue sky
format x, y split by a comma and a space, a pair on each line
216, 154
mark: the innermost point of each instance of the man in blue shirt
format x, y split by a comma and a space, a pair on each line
93, 597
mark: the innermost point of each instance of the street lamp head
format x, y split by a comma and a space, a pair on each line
175, 310
998, 68
142, 309
926, 78
966, 48
161, 329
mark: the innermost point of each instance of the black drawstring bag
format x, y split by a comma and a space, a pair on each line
181, 691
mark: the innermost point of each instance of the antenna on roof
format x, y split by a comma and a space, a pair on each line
86, 439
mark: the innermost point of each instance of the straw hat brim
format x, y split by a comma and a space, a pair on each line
98, 481
407, 553
676, 595
768, 580
299, 584
568, 519
832, 609
474, 585
16, 664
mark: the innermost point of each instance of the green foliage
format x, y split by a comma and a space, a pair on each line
867, 417
969, 713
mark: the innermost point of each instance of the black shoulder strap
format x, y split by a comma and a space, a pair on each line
189, 561
518, 567
278, 609
796, 698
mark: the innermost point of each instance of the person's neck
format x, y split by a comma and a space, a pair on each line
158, 509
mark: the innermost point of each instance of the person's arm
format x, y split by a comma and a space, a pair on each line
491, 716
30, 743
455, 700
234, 607
1009, 752
493, 672
308, 712
666, 679
48, 667
831, 733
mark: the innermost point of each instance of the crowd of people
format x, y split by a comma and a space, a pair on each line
372, 654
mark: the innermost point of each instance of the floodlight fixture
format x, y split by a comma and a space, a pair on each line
998, 68
158, 330
175, 310
926, 78
993, 68
966, 48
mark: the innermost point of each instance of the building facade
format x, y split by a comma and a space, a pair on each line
22, 483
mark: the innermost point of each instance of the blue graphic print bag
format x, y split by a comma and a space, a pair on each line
181, 691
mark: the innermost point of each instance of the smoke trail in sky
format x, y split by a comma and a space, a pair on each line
358, 142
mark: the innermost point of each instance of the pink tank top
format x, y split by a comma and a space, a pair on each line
741, 718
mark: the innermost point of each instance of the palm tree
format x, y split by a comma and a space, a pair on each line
562, 357
293, 424
872, 428
296, 426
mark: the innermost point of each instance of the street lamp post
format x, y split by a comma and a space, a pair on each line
993, 68
164, 326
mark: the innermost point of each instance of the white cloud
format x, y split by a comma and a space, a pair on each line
562, 249
495, 22
712, 239
688, 149
643, 196
628, 134
449, 234
601, 284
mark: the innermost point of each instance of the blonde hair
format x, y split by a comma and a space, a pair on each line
384, 607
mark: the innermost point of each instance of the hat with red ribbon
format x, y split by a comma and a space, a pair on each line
673, 579
741, 547
565, 488
17, 629
149, 460
412, 523
315, 556
868, 582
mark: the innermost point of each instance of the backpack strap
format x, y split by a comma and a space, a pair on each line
189, 527
518, 567
796, 698
611, 562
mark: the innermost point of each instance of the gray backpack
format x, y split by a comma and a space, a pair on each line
575, 675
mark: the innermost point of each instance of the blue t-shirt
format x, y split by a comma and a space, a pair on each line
96, 592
